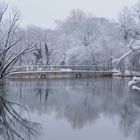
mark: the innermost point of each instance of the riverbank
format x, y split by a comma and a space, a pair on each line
127, 74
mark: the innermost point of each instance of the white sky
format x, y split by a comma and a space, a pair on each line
44, 12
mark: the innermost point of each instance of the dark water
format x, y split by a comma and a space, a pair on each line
80, 109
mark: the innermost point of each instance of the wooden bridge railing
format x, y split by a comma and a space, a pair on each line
62, 68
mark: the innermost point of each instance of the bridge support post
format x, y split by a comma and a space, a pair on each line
78, 75
43, 76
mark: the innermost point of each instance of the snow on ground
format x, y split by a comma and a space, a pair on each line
135, 88
127, 74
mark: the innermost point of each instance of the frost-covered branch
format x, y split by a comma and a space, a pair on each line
135, 80
133, 83
118, 60
3, 8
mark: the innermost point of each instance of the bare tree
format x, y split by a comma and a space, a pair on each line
9, 40
12, 124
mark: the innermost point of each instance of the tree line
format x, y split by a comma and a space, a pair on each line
80, 39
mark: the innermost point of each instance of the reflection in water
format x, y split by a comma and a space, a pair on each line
12, 125
81, 102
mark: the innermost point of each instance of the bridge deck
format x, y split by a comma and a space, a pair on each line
59, 74
60, 71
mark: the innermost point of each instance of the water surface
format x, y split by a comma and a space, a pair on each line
80, 109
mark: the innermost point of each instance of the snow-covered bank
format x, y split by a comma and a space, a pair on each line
133, 83
127, 74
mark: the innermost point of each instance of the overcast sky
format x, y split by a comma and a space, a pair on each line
44, 12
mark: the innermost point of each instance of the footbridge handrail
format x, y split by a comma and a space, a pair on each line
62, 68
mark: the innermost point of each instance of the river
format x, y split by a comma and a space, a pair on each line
80, 109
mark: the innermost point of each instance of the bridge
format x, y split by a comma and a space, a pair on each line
60, 71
